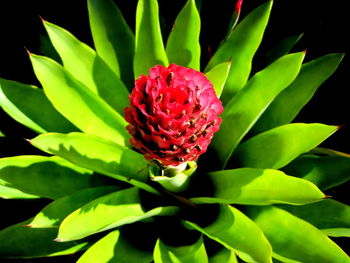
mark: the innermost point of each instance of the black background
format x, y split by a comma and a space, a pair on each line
325, 25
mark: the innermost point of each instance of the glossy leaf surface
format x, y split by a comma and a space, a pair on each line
251, 186
97, 154
107, 212
20, 101
13, 193
241, 46
244, 109
149, 47
277, 147
324, 171
114, 41
50, 177
291, 100
114, 247
294, 239
237, 232
53, 214
218, 75
90, 113
18, 241
331, 216
183, 46
185, 254
82, 62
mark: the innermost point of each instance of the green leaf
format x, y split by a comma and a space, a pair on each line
149, 48
244, 109
183, 46
53, 214
21, 102
277, 147
114, 41
331, 216
218, 75
107, 212
82, 62
97, 154
251, 186
77, 103
50, 177
282, 48
1, 133
235, 17
324, 171
237, 232
294, 239
114, 247
18, 241
194, 253
13, 193
291, 100
223, 255
241, 46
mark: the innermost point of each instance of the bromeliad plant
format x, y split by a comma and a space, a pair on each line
253, 195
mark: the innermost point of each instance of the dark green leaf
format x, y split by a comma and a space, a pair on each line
244, 109
53, 214
194, 253
107, 212
251, 186
294, 239
21, 102
149, 48
50, 177
291, 100
241, 46
18, 241
82, 62
183, 46
331, 216
279, 146
13, 193
324, 171
114, 41
77, 103
237, 232
97, 154
218, 75
114, 247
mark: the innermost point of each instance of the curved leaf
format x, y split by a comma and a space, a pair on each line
107, 212
82, 62
331, 216
183, 46
223, 255
97, 154
244, 109
149, 48
218, 75
241, 46
21, 102
114, 41
277, 147
53, 214
77, 103
50, 177
114, 247
18, 241
237, 232
235, 17
251, 186
324, 171
13, 193
294, 239
185, 254
291, 100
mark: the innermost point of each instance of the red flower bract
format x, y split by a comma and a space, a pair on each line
173, 114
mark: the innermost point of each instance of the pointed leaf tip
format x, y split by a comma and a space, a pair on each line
58, 240
42, 19
238, 5
29, 226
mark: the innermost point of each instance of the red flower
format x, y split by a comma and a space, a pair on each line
173, 114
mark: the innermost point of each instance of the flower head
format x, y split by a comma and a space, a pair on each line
173, 114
